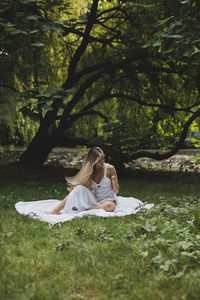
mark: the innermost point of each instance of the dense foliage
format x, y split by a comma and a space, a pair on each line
133, 64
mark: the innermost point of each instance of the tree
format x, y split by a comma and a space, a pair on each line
126, 65
27, 30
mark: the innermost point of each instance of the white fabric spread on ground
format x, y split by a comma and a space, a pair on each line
40, 210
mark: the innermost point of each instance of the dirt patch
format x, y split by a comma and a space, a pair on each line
63, 162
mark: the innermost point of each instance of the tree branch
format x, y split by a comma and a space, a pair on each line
115, 9
177, 147
70, 105
90, 38
75, 117
118, 95
81, 49
110, 66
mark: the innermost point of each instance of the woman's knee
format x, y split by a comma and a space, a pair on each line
79, 189
108, 206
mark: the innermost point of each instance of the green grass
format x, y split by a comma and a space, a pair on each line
150, 255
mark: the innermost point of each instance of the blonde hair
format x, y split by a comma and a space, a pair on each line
84, 176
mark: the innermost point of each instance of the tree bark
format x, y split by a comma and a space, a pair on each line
39, 149
42, 144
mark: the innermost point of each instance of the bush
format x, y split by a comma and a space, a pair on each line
121, 138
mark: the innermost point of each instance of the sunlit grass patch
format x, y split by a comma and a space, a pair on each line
153, 254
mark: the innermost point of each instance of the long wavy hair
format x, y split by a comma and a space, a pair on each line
84, 176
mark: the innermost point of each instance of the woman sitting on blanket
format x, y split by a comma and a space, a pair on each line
94, 187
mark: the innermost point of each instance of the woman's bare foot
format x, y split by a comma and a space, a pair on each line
74, 208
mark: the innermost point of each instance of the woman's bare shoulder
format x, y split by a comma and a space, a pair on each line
111, 169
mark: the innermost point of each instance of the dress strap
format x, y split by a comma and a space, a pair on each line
105, 170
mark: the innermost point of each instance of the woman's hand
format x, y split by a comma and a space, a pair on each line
70, 188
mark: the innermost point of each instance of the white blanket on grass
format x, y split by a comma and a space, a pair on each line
40, 210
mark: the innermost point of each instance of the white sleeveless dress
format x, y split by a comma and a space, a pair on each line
103, 190
82, 198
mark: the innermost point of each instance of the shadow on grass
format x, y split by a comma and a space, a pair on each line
19, 172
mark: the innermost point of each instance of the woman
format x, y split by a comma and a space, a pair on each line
92, 192
94, 187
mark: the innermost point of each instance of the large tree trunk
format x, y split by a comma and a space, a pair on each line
39, 149
42, 144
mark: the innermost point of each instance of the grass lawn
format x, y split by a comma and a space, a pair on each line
150, 255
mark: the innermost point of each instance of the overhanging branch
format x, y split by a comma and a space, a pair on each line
81, 49
77, 97
74, 117
177, 147
79, 33
108, 66
143, 103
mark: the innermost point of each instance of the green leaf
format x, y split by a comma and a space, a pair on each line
166, 20
56, 28
27, 1
158, 259
10, 29
193, 140
147, 44
173, 36
46, 107
188, 52
17, 31
185, 245
47, 27
72, 90
32, 17
57, 96
8, 24
185, 1
150, 5
157, 44
38, 44
148, 227
178, 22
196, 50
33, 31
144, 253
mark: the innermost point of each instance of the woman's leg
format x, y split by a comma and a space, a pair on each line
106, 205
79, 200
59, 207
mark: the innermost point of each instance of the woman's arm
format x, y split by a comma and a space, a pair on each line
114, 180
59, 207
